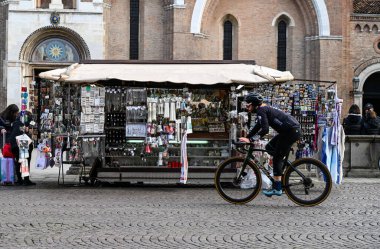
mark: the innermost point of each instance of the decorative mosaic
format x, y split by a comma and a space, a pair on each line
55, 50
366, 6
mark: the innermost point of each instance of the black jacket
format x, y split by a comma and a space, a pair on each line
371, 126
16, 131
353, 124
278, 120
7, 125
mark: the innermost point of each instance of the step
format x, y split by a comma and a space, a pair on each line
76, 170
366, 173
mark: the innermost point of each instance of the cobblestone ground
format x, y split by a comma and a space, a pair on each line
48, 216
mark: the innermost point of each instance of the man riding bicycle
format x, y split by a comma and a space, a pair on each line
287, 127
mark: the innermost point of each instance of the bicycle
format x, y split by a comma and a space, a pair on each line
306, 181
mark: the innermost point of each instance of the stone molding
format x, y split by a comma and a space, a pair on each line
49, 32
365, 17
331, 37
359, 69
319, 6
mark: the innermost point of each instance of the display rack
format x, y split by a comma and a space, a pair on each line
310, 102
154, 119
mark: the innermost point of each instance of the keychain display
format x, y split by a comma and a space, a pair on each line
158, 117
92, 115
311, 104
44, 153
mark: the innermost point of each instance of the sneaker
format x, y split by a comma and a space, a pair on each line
270, 192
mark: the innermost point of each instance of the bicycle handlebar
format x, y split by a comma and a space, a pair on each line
240, 147
241, 144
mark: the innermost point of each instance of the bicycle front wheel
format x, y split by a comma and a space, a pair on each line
307, 182
235, 189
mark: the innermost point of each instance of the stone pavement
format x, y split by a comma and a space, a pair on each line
72, 216
52, 216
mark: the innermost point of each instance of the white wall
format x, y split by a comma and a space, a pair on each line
24, 19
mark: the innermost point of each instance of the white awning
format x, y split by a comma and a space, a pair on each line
206, 74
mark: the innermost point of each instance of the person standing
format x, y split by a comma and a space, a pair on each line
7, 117
287, 127
371, 122
353, 123
21, 151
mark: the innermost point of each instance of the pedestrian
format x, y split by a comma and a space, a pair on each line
22, 148
287, 127
353, 123
7, 117
371, 122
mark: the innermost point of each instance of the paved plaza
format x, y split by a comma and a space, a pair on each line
51, 216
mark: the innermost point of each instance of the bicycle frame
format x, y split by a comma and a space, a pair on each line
251, 157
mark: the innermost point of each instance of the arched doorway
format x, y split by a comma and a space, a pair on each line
371, 91
45, 49
51, 52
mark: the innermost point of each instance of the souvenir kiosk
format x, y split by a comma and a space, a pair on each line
161, 121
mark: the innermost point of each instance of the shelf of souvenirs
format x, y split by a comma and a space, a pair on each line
78, 136
158, 169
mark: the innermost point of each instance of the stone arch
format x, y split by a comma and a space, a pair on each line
358, 28
366, 28
375, 29
231, 18
316, 7
196, 19
363, 72
235, 33
366, 64
34, 39
323, 17
283, 16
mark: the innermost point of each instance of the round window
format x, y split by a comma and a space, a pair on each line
55, 50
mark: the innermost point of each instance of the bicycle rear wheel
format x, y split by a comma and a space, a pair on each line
232, 189
307, 182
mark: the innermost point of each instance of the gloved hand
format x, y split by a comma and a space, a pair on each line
244, 140
255, 138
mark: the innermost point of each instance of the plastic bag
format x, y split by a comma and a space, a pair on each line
266, 182
249, 181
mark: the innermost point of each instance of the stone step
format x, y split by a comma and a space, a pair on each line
365, 173
76, 170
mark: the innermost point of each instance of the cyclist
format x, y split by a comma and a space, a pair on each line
287, 127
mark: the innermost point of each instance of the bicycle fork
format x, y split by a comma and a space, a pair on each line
242, 172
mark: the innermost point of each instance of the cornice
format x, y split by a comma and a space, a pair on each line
365, 17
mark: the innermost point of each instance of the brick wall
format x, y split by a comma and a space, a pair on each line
117, 30
153, 32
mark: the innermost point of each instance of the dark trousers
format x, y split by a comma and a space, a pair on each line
16, 153
281, 145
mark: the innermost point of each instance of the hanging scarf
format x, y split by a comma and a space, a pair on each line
184, 162
24, 169
172, 116
167, 108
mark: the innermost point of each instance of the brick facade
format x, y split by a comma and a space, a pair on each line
337, 52
164, 33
